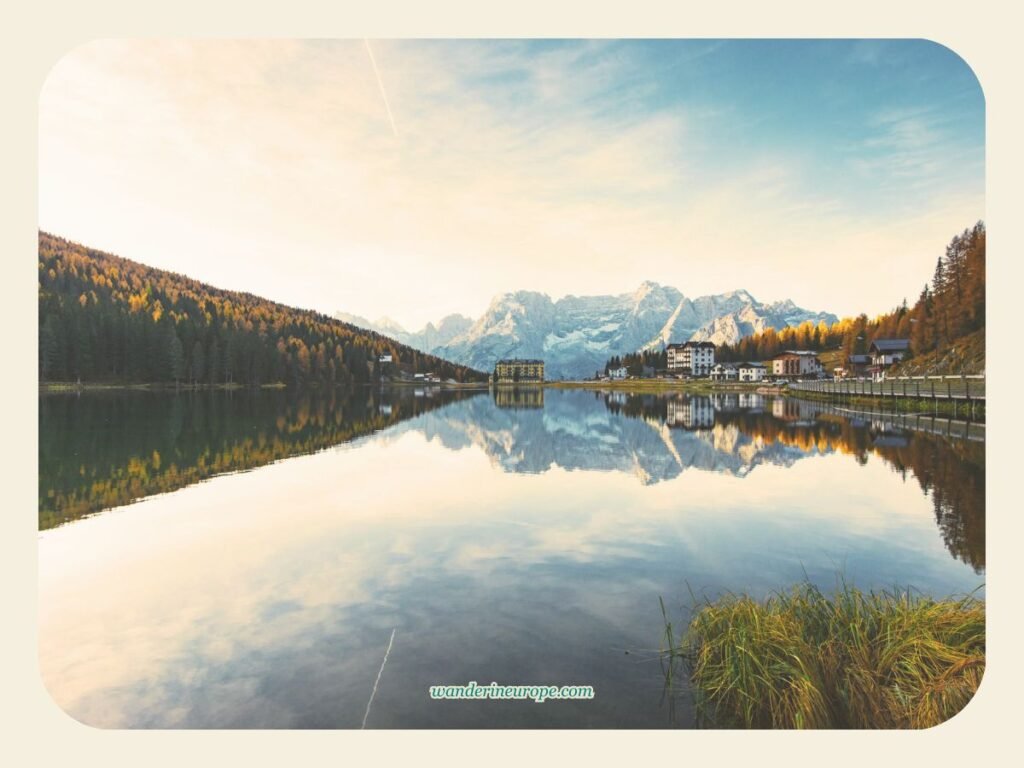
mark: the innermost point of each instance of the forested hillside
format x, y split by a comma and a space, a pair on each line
106, 319
950, 307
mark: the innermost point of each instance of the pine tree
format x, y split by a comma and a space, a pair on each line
198, 362
49, 348
174, 363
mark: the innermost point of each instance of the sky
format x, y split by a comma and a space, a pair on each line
418, 178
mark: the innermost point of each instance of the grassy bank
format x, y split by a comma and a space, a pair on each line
908, 405
66, 386
963, 355
850, 660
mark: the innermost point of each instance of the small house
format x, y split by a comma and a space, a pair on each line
751, 372
618, 373
724, 372
797, 364
884, 353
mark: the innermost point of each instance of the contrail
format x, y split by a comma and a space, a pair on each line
383, 93
381, 670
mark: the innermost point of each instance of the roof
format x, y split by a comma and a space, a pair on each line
692, 345
891, 345
863, 359
751, 365
795, 353
511, 360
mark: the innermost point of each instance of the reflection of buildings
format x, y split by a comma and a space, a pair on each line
508, 371
519, 397
618, 398
724, 401
794, 411
690, 413
885, 434
751, 400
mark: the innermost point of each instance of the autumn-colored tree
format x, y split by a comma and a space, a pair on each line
951, 306
102, 318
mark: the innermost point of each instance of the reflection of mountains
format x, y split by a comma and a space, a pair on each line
586, 430
102, 450
657, 437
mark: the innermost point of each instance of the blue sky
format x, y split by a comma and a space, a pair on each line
559, 166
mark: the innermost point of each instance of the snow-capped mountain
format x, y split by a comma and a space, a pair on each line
429, 337
576, 335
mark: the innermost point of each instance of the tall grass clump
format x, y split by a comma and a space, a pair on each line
802, 659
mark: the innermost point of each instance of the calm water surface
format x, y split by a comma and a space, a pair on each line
240, 560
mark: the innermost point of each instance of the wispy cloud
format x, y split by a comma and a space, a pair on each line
383, 92
560, 166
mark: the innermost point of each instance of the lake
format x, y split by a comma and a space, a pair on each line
249, 559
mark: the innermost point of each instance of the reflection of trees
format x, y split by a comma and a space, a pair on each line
103, 450
953, 471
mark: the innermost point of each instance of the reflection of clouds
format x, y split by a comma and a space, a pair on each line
201, 603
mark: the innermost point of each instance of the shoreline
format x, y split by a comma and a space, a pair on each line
63, 387
924, 406
644, 386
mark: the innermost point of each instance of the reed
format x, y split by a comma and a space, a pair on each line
802, 659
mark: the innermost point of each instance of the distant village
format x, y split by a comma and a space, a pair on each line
696, 360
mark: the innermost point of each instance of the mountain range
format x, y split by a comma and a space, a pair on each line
576, 335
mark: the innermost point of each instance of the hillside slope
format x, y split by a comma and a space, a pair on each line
103, 318
963, 355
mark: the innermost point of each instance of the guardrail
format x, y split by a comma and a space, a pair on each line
964, 389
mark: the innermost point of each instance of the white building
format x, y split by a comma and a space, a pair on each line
618, 373
751, 372
793, 364
695, 358
724, 372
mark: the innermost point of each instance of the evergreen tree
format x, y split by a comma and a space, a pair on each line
198, 362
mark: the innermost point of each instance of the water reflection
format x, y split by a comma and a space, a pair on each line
517, 541
104, 449
662, 436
